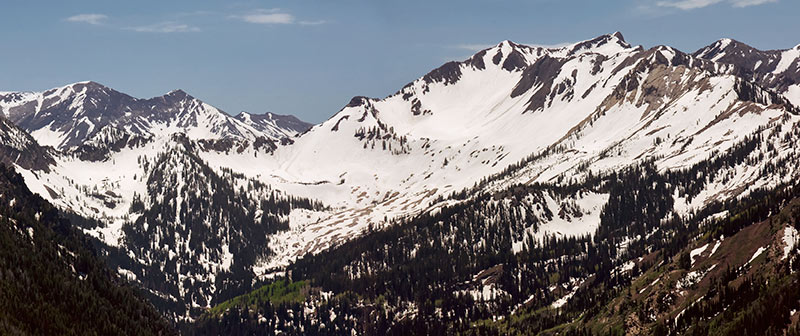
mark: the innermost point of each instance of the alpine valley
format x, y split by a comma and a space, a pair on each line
595, 188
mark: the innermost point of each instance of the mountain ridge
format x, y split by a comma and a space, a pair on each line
66, 116
509, 128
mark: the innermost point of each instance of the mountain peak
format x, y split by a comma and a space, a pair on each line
614, 38
723, 47
618, 36
358, 101
88, 85
735, 44
724, 42
177, 93
604, 44
507, 44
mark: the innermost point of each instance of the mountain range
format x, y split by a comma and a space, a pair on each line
522, 189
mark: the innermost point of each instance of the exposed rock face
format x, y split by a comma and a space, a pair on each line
18, 147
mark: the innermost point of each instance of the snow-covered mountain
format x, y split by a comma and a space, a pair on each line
552, 114
123, 161
179, 187
69, 116
593, 172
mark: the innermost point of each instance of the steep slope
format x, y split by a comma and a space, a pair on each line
734, 273
186, 233
196, 233
18, 147
723, 283
52, 281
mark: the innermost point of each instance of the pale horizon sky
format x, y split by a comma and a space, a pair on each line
308, 58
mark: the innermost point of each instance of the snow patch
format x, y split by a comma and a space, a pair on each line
788, 58
697, 252
46, 136
793, 94
563, 300
716, 246
127, 274
755, 255
789, 240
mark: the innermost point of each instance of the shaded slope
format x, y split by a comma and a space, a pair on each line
52, 282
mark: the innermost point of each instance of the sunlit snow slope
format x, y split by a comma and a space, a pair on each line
594, 106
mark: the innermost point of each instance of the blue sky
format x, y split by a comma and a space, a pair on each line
308, 58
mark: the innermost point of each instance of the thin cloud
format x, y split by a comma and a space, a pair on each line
166, 27
312, 23
92, 19
695, 4
688, 4
748, 3
274, 16
266, 16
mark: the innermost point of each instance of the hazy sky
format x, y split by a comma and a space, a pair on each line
308, 58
